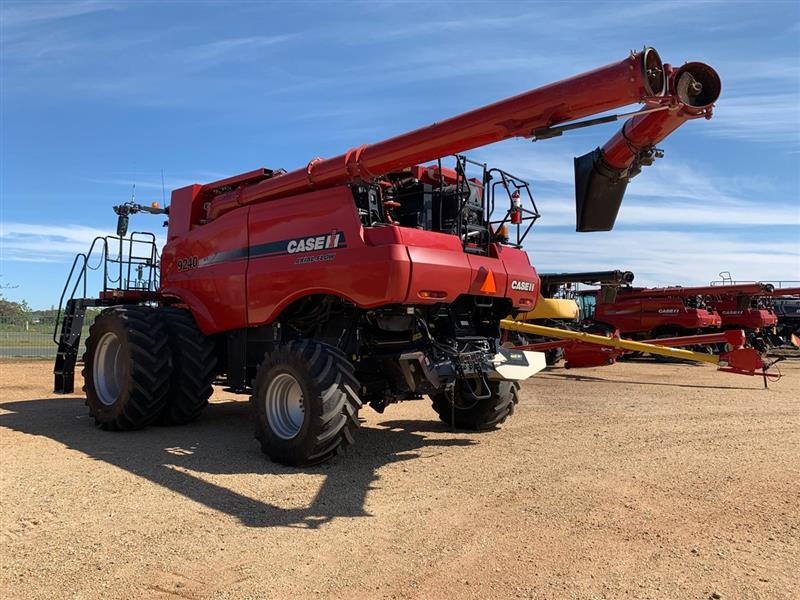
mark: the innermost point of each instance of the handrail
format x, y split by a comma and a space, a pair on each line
81, 264
81, 278
778, 283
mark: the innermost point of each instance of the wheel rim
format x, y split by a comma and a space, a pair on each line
284, 406
108, 368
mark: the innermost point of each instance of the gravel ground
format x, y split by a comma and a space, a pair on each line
636, 481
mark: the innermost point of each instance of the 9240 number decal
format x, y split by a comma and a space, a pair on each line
185, 264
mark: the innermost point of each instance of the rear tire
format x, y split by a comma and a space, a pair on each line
305, 403
126, 368
478, 415
194, 364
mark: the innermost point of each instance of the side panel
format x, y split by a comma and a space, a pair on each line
435, 270
625, 315
747, 319
205, 268
523, 284
314, 244
440, 264
484, 284
662, 312
184, 210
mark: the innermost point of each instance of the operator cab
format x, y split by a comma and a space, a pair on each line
470, 200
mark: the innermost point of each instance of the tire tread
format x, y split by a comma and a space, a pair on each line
333, 379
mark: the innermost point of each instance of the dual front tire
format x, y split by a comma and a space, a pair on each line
146, 365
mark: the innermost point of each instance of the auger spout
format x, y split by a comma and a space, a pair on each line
602, 175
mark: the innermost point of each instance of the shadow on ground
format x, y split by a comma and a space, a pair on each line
221, 442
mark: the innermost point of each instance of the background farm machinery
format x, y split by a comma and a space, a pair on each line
676, 323
674, 311
782, 301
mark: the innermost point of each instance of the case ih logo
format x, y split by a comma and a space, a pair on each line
668, 311
522, 286
331, 240
324, 241
732, 312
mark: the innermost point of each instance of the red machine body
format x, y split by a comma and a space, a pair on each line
253, 268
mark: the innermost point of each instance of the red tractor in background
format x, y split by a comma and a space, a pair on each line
377, 276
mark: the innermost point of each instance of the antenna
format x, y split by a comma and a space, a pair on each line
163, 193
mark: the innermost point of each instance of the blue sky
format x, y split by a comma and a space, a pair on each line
97, 96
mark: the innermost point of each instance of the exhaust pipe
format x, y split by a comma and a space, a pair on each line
602, 175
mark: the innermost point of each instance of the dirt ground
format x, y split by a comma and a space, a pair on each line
636, 481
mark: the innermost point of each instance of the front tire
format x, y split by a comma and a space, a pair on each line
305, 403
126, 368
478, 415
194, 364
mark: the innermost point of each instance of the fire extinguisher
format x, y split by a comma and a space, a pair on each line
515, 213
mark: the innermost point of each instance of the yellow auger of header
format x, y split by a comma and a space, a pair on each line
589, 350
608, 342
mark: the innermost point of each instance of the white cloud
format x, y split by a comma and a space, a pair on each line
29, 242
666, 258
667, 193
29, 13
233, 49
767, 118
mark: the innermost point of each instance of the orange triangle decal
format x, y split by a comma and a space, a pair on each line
489, 286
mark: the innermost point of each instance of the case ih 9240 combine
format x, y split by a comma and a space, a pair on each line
364, 278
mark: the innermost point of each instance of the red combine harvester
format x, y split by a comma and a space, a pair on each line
771, 317
753, 314
643, 313
676, 311
364, 278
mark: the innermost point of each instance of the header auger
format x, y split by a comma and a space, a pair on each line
369, 277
